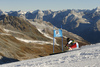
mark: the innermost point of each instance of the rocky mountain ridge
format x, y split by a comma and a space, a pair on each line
85, 23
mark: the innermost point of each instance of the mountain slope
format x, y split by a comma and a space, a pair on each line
46, 28
22, 39
12, 29
17, 24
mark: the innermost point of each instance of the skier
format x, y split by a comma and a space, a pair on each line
71, 44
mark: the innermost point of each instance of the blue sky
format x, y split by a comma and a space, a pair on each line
27, 5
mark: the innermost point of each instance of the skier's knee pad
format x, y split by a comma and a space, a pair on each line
77, 45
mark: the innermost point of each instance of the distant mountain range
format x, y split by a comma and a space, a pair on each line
85, 23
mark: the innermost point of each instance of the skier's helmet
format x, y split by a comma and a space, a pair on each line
68, 39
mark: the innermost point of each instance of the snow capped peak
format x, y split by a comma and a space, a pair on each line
97, 9
40, 11
35, 11
29, 11
48, 12
2, 12
21, 12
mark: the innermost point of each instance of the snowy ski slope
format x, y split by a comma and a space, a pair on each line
88, 56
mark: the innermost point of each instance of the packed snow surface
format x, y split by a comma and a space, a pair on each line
87, 56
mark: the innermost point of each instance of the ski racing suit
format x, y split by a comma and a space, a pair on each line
72, 44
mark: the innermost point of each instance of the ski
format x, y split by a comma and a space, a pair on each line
73, 50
